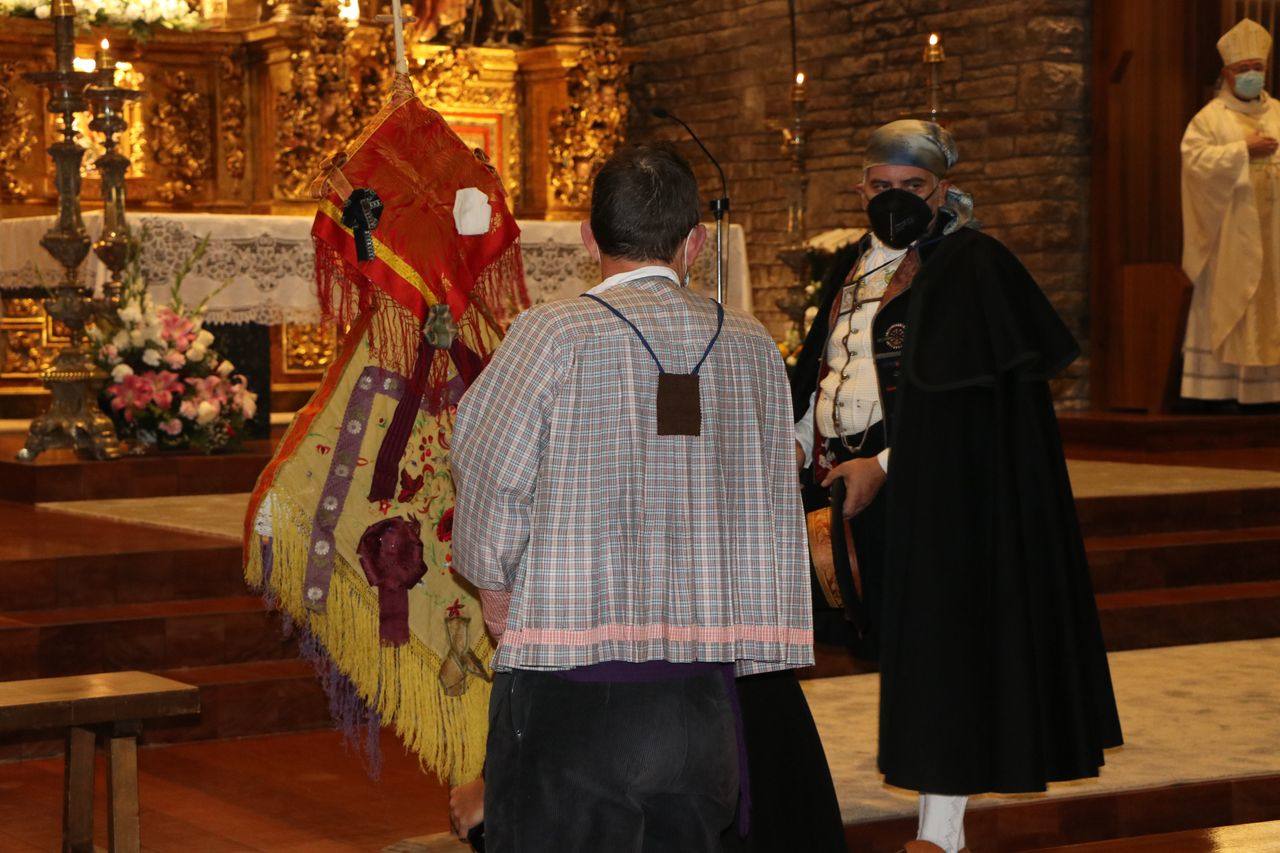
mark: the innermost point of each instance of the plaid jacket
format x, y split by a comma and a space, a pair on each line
617, 543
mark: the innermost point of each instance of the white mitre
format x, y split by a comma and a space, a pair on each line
1246, 40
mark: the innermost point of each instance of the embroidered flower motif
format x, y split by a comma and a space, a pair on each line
321, 548
354, 426
365, 383
330, 503
341, 471
409, 486
315, 593
444, 528
388, 384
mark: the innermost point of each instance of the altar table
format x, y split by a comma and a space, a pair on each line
259, 269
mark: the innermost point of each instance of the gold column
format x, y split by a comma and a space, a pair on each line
576, 116
544, 71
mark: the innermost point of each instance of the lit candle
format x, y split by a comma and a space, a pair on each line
103, 57
933, 52
798, 94
934, 56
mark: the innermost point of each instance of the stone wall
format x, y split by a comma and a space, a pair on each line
1015, 71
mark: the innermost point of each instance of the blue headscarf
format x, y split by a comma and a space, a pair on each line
910, 142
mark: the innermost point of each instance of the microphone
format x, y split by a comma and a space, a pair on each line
659, 112
719, 206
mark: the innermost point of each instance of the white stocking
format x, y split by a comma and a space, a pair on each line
942, 821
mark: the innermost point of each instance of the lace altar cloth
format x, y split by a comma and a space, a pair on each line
266, 262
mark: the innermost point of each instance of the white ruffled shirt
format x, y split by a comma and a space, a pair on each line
847, 401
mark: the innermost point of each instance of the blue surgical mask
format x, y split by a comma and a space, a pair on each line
1249, 84
687, 271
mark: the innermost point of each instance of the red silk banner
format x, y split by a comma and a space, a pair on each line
416, 164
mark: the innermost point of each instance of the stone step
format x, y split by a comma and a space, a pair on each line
51, 559
164, 574
236, 700
1184, 558
1143, 432
148, 636
1187, 615
243, 699
1167, 513
58, 475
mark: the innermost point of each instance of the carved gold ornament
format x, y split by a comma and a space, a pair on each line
314, 116
16, 139
307, 347
446, 78
28, 341
232, 113
593, 125
180, 126
371, 64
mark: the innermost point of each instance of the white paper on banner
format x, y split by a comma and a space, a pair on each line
471, 212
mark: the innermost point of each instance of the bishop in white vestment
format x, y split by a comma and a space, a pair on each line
1231, 230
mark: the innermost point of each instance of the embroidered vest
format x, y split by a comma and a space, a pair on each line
889, 330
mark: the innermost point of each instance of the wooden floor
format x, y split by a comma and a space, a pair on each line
1249, 838
280, 793
258, 770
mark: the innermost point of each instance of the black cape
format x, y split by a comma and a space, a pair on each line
994, 676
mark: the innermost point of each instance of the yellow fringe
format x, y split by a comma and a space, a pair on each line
447, 733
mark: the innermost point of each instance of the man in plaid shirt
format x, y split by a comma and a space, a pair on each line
627, 506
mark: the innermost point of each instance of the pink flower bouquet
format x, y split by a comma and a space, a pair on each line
169, 388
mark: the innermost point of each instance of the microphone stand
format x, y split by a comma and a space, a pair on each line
720, 210
719, 206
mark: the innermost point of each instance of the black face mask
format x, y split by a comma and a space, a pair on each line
898, 217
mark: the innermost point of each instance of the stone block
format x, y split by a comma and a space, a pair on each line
1015, 70
1051, 85
1058, 30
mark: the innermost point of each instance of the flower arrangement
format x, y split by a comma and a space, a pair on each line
141, 17
169, 387
802, 308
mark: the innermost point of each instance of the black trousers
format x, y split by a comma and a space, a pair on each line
793, 801
618, 767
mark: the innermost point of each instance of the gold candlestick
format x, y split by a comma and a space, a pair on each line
114, 246
105, 63
795, 144
74, 419
934, 56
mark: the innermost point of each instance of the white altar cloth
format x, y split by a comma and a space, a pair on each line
264, 264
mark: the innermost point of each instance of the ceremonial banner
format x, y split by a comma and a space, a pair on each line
349, 528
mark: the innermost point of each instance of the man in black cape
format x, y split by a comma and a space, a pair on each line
976, 590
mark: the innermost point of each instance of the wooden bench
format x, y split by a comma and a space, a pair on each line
113, 705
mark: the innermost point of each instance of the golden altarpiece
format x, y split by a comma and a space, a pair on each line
239, 115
